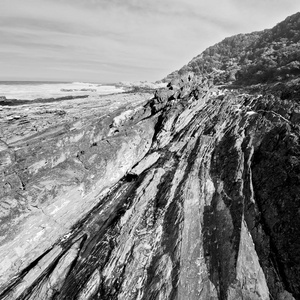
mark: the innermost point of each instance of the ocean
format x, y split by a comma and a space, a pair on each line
30, 90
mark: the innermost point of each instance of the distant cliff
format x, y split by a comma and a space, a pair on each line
194, 194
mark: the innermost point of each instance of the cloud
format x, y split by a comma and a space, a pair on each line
121, 39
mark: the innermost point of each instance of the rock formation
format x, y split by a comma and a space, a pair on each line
194, 194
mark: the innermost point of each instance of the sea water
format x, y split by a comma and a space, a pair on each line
30, 90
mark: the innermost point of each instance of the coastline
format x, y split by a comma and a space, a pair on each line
20, 122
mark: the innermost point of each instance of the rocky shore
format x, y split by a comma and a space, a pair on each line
193, 194
20, 119
190, 192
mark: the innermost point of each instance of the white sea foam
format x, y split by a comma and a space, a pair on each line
31, 91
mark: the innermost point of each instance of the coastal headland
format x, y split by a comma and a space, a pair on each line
188, 192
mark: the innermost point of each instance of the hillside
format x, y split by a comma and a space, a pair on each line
271, 55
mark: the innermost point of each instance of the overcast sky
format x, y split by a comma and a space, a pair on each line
114, 40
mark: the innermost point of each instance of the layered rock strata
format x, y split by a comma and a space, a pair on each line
194, 195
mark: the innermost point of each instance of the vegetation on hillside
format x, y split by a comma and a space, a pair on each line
267, 56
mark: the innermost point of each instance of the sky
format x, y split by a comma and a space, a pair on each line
121, 40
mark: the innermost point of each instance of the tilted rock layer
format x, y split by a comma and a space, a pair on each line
194, 195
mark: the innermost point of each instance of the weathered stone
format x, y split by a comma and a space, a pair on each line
194, 194
170, 206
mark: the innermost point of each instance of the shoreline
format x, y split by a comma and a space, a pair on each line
19, 122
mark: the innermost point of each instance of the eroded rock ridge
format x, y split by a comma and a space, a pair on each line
193, 195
